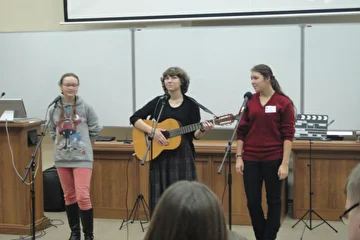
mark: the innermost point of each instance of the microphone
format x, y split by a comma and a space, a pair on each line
247, 97
3, 94
55, 100
165, 97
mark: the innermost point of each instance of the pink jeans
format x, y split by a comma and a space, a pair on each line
75, 183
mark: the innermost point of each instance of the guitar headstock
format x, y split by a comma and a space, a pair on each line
223, 120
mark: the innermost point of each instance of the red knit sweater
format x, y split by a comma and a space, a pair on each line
263, 129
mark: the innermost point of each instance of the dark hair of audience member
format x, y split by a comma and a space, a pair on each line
187, 211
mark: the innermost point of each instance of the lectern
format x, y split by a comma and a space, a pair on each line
15, 196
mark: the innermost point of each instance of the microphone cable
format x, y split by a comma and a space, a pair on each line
12, 152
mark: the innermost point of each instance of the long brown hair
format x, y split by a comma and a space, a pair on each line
187, 211
62, 109
266, 72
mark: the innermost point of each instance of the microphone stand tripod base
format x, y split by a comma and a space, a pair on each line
311, 210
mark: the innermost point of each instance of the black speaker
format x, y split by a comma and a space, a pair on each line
53, 193
32, 137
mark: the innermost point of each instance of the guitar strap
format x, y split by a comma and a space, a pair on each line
201, 106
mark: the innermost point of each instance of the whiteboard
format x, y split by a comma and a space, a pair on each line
332, 73
91, 10
31, 64
218, 61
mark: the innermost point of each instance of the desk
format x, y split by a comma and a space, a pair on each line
332, 162
116, 173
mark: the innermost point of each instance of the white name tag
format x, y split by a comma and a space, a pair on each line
270, 109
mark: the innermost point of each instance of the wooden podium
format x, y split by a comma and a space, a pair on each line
15, 197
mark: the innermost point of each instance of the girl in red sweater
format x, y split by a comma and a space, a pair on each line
265, 136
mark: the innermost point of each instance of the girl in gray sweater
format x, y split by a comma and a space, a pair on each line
74, 127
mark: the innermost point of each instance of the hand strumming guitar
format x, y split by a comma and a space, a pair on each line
159, 137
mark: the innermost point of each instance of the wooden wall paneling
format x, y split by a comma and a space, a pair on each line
332, 162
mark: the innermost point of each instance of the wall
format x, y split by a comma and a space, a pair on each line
46, 15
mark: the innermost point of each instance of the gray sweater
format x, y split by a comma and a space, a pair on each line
73, 135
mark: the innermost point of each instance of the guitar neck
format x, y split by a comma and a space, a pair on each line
184, 130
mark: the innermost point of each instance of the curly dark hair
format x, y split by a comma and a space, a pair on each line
181, 74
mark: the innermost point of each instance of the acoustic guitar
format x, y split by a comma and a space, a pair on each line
173, 133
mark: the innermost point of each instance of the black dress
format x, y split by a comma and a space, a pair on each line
171, 165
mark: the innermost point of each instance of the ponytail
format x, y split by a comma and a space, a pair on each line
62, 110
266, 72
73, 117
276, 86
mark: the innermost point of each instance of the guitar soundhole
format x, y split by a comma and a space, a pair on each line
166, 134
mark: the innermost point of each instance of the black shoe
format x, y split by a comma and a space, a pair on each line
72, 212
75, 236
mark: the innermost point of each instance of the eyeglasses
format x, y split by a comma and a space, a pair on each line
344, 217
71, 85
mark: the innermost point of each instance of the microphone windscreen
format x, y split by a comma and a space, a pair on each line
248, 95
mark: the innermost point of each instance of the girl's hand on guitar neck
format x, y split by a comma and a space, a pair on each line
159, 137
207, 125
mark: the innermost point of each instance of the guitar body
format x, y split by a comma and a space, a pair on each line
173, 132
140, 139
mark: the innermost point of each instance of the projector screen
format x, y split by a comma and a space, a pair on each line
145, 10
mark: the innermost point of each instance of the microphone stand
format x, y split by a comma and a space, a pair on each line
228, 154
151, 136
150, 147
31, 166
